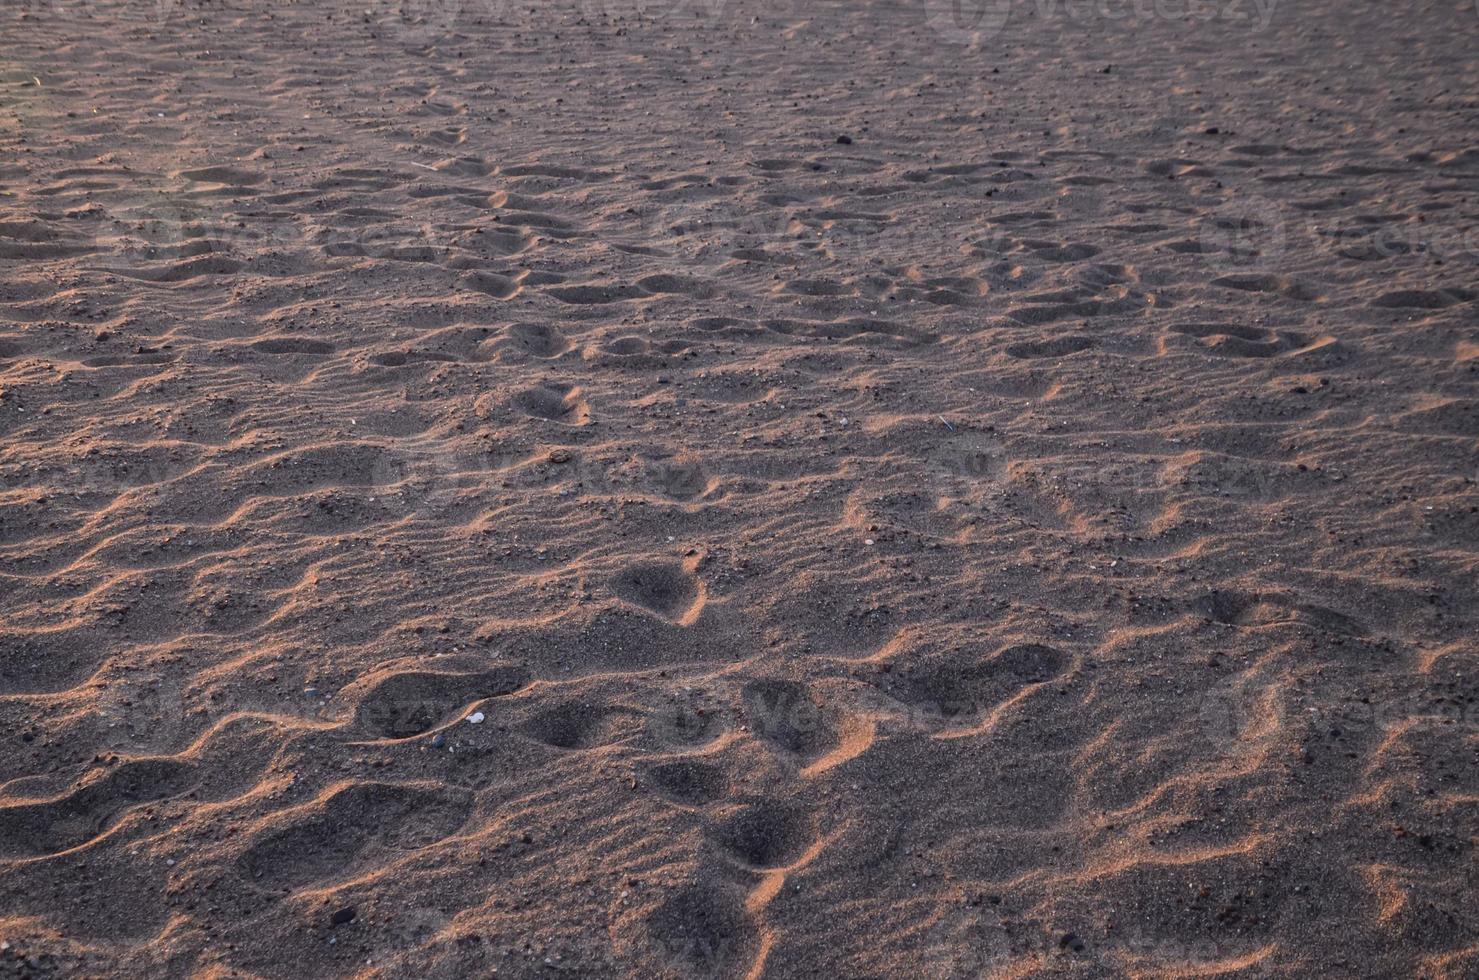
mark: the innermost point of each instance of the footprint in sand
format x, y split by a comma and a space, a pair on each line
1053, 347
580, 725
323, 840
679, 285
154, 359
494, 284
686, 724
293, 345
1232, 607
703, 930
401, 358
767, 834
597, 295
668, 589
411, 703
226, 176
680, 479
50, 826
785, 714
1255, 282
536, 339
689, 781
555, 403
1422, 299
959, 689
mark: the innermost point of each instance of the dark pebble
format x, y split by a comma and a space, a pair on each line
343, 917
845, 140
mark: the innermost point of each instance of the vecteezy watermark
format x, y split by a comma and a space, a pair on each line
967, 462
651, 9
427, 482
975, 938
421, 479
430, 479
99, 475
153, 232
421, 22
975, 21
967, 21
770, 233
153, 713
401, 718
1255, 234
142, 714
164, 230
157, 13
1402, 712
1441, 242
1244, 234
157, 229
430, 16
790, 714
701, 931
977, 467
1238, 715
33, 8
686, 723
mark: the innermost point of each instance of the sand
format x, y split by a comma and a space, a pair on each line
742, 489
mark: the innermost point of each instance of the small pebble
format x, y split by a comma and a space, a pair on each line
476, 718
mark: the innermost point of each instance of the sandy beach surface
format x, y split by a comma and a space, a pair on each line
739, 488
